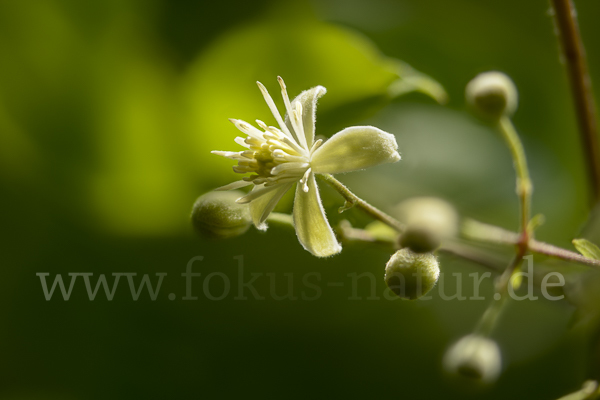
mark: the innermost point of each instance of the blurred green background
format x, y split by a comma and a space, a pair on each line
108, 112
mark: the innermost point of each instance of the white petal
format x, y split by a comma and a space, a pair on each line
261, 207
234, 185
308, 99
355, 148
312, 227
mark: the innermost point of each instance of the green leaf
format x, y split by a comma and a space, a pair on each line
535, 222
587, 248
411, 80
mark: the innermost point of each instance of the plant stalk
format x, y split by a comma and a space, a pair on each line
353, 200
565, 18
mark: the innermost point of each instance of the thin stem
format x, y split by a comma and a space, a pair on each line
524, 186
565, 17
473, 229
473, 254
353, 200
476, 230
557, 252
490, 317
524, 189
281, 219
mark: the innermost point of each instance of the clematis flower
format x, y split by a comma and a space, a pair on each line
278, 158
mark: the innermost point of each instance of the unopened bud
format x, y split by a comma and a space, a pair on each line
492, 95
420, 238
428, 221
410, 275
217, 215
475, 358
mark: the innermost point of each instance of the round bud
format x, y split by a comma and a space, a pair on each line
475, 358
420, 238
492, 95
410, 275
428, 221
217, 215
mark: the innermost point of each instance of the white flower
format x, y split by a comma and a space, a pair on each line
278, 158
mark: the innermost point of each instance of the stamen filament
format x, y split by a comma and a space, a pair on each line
241, 141
299, 132
316, 145
248, 129
290, 166
298, 118
234, 155
274, 111
271, 182
277, 153
304, 180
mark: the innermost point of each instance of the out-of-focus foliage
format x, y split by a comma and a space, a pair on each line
145, 130
587, 248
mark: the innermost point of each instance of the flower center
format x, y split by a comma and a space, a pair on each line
271, 158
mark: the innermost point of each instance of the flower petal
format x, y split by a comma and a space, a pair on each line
355, 148
308, 99
312, 228
261, 207
256, 192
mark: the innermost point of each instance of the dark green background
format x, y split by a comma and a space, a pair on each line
108, 111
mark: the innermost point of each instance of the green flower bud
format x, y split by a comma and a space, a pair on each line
420, 238
475, 358
492, 95
217, 215
410, 275
428, 221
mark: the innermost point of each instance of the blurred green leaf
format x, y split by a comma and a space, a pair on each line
587, 248
411, 80
536, 221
